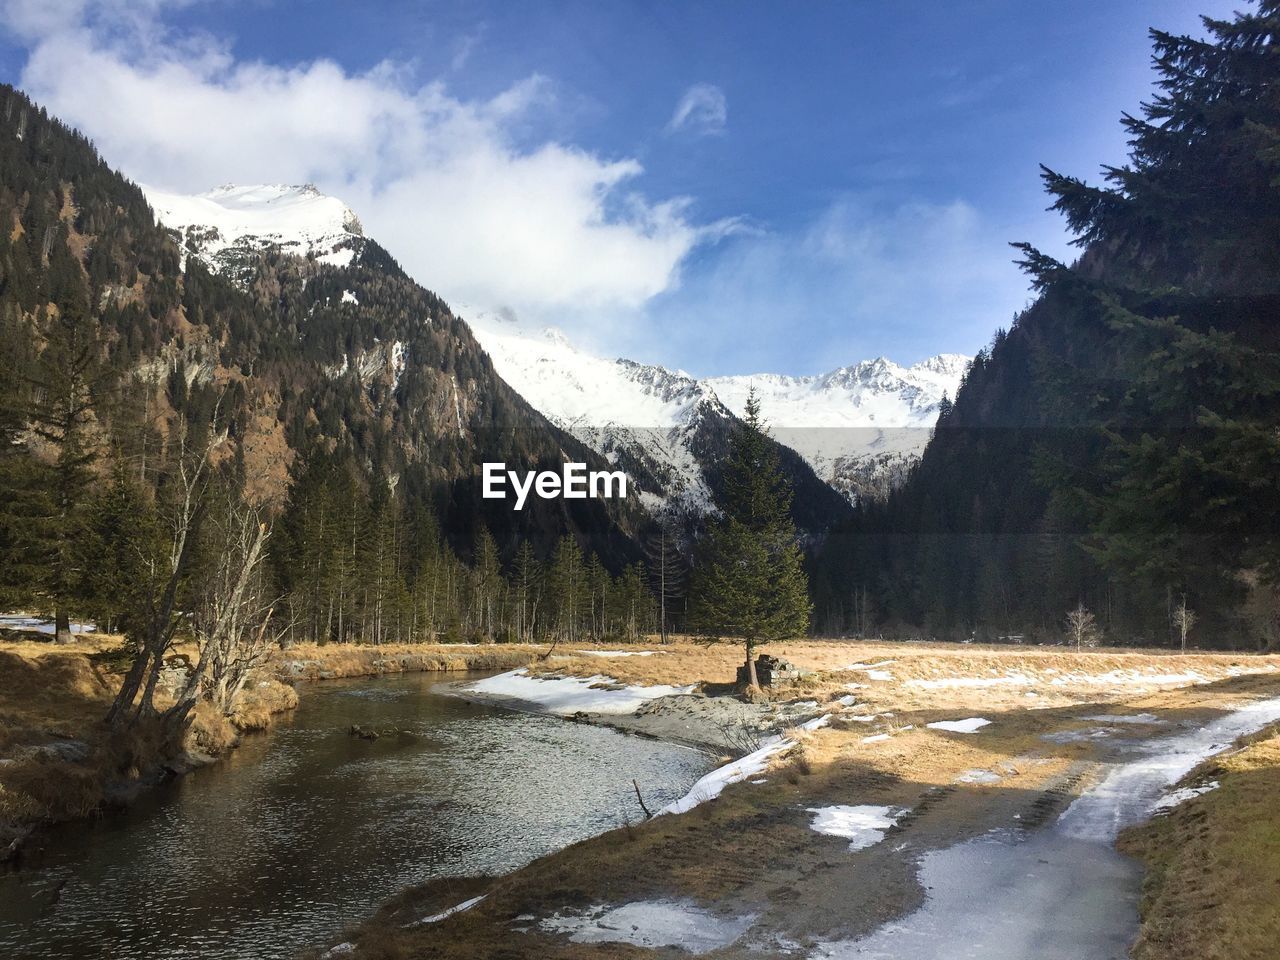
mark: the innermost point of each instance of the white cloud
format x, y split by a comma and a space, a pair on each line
861, 278
702, 110
454, 188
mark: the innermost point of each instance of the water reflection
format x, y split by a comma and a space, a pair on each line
308, 828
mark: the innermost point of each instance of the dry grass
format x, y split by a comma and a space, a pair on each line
752, 849
310, 661
898, 676
1212, 890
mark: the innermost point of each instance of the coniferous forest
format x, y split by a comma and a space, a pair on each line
1116, 445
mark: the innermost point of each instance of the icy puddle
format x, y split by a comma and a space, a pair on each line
652, 924
1062, 893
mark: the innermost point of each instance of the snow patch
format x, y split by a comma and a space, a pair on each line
651, 924
297, 219
568, 695
754, 763
969, 725
445, 914
1182, 795
863, 825
41, 625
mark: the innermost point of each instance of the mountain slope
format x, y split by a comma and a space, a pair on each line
314, 342
665, 430
860, 428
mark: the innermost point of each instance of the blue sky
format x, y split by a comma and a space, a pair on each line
841, 181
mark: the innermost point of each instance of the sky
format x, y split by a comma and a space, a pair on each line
722, 187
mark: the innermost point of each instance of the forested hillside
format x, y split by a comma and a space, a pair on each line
346, 401
1117, 446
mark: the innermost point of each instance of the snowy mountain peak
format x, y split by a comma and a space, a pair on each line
224, 225
860, 427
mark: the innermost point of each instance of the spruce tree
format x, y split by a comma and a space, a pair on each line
46, 516
750, 584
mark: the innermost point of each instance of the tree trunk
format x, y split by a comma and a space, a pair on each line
62, 626
752, 680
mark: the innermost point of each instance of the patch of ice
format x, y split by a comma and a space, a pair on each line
1122, 718
862, 825
445, 914
1079, 736
1182, 795
1132, 789
868, 666
848, 700
1064, 892
651, 924
970, 725
876, 738
760, 781
978, 776
879, 675
568, 695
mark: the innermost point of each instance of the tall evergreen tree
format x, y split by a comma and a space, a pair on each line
750, 583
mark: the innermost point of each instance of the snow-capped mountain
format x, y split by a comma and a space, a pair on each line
859, 427
223, 224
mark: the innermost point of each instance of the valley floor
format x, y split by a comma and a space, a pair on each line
858, 778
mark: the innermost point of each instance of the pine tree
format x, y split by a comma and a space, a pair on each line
750, 583
46, 516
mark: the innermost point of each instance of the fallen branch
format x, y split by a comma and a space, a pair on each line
647, 814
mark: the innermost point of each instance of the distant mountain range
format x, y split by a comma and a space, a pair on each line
859, 427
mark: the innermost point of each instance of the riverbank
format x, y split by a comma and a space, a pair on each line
310, 661
1213, 862
909, 749
59, 762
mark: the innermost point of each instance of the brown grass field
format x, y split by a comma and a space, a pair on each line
1214, 864
752, 849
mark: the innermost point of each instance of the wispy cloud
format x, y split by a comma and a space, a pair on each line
457, 189
861, 278
702, 110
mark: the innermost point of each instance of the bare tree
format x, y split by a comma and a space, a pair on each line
159, 618
231, 618
1081, 627
1184, 619
667, 572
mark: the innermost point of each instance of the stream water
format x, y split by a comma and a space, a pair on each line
306, 829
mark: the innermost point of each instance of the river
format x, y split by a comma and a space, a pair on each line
305, 829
